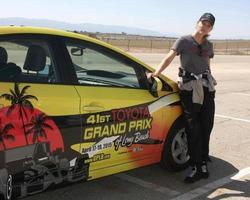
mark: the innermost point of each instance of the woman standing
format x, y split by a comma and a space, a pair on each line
197, 91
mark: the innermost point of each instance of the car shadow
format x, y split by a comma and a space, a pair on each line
156, 176
237, 188
234, 188
221, 172
218, 169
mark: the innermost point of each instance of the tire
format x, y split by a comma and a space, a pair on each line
175, 152
7, 186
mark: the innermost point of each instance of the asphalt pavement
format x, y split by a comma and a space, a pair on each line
229, 149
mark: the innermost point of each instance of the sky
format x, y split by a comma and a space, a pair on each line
176, 16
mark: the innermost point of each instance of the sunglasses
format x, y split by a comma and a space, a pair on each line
200, 50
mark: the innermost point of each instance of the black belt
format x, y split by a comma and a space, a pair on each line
190, 76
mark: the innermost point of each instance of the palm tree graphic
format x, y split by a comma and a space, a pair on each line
4, 133
18, 98
37, 126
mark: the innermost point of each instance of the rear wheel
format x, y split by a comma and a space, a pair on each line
175, 153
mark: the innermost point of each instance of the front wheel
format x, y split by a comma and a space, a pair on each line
5, 184
175, 152
9, 187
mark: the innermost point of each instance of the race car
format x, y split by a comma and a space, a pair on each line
73, 108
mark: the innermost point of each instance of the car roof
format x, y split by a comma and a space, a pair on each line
7, 30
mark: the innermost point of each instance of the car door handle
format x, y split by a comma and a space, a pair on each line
92, 108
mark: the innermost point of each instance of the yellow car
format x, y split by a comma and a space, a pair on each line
74, 108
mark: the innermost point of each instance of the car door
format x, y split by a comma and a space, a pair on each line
39, 112
120, 127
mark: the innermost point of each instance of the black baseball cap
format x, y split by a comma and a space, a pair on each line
208, 17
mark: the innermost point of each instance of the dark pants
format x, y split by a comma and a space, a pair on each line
199, 123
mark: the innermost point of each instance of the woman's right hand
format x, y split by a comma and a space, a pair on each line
150, 75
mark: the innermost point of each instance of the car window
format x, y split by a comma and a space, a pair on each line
26, 60
95, 65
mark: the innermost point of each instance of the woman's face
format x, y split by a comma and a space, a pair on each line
204, 27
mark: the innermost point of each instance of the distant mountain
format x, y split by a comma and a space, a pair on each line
79, 27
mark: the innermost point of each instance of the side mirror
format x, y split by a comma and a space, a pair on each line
156, 86
75, 51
